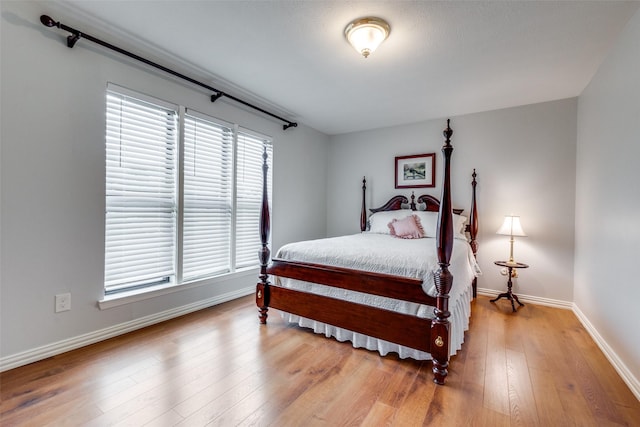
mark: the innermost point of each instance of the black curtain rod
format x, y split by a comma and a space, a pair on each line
77, 35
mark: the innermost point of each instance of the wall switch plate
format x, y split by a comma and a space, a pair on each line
63, 302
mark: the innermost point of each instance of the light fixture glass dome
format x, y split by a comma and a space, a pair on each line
366, 34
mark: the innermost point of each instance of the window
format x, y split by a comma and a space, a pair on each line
208, 169
182, 202
140, 220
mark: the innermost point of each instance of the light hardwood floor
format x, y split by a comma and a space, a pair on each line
536, 367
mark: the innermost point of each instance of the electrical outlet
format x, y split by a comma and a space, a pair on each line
504, 272
63, 302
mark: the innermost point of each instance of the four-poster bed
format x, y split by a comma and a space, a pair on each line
386, 302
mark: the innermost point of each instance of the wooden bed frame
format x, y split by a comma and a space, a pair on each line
429, 335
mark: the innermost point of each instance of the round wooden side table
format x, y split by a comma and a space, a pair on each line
511, 265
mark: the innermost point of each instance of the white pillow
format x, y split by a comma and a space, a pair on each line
429, 221
379, 221
458, 224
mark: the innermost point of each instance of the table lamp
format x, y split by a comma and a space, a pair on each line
511, 227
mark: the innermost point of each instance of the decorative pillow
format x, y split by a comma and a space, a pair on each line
378, 222
407, 228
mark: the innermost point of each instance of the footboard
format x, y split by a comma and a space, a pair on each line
403, 329
398, 328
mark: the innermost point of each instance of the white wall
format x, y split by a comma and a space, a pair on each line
607, 289
52, 179
525, 160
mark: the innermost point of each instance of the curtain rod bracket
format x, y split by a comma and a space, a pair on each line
76, 35
72, 39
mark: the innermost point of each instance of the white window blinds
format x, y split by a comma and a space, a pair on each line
183, 194
249, 196
208, 171
140, 222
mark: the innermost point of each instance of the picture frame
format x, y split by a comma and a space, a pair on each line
416, 171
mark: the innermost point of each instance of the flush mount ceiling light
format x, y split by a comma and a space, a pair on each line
366, 34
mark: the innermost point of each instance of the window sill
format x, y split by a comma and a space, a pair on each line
123, 298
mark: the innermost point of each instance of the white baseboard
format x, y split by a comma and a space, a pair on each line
53, 349
530, 298
625, 373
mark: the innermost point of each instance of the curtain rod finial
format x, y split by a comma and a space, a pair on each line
48, 21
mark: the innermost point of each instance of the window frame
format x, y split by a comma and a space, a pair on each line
138, 292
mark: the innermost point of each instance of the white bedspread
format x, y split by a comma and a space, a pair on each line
383, 253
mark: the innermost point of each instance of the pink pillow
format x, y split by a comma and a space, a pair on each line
407, 228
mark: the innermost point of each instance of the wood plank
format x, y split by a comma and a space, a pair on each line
473, 373
548, 404
562, 371
599, 364
354, 399
380, 415
283, 385
516, 330
475, 348
496, 392
396, 391
319, 396
169, 418
236, 384
412, 411
216, 401
521, 399
598, 400
290, 382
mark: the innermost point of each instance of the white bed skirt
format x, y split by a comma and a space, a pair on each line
460, 314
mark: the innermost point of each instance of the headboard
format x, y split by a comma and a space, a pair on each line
431, 204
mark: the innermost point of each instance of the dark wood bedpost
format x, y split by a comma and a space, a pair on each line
363, 213
440, 327
473, 227
262, 289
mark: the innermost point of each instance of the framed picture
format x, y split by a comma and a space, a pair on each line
417, 171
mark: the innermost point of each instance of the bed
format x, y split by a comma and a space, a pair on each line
402, 298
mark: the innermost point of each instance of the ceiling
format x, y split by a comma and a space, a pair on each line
442, 58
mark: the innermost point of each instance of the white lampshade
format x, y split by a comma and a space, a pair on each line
511, 227
366, 34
